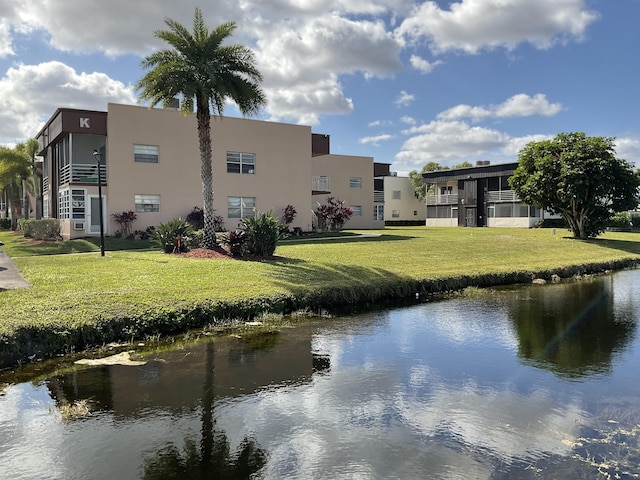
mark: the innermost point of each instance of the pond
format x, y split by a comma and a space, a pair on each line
525, 382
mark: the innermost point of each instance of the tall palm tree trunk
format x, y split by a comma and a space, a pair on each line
206, 171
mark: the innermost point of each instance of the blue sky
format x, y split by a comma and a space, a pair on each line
404, 82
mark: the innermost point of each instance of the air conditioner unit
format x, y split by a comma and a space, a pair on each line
78, 225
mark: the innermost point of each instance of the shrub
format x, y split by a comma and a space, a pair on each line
263, 234
173, 236
635, 221
5, 223
195, 240
196, 218
552, 223
235, 241
25, 226
288, 215
218, 223
333, 215
46, 229
620, 221
125, 220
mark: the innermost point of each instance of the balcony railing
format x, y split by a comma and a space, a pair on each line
79, 173
502, 196
446, 199
321, 184
45, 185
378, 196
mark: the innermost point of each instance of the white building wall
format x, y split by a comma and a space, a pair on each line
400, 199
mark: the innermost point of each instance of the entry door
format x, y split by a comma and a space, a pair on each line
470, 217
94, 214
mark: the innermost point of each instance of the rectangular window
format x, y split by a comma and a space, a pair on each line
378, 212
241, 207
357, 210
396, 195
448, 190
77, 204
238, 162
395, 213
63, 205
145, 153
355, 182
147, 203
504, 210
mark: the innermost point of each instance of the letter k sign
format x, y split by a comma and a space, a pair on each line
84, 123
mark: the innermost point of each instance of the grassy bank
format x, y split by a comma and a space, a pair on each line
82, 300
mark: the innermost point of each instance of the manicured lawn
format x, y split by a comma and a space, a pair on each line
85, 289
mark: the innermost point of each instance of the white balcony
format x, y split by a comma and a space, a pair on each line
502, 196
443, 199
80, 173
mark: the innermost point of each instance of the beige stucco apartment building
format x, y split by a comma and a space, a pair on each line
150, 163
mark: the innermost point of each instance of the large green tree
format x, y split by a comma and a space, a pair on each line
15, 168
205, 74
577, 177
416, 178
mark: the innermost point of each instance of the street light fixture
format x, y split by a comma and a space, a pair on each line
98, 158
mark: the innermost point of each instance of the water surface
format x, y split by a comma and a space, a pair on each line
521, 383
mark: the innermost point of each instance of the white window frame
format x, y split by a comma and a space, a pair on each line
355, 182
395, 213
357, 210
241, 207
378, 212
241, 163
64, 204
146, 203
146, 153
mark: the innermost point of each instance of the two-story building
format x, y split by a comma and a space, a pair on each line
477, 196
149, 163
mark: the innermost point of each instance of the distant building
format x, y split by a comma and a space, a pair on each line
476, 197
151, 165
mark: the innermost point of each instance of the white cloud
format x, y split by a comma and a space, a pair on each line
628, 148
473, 25
28, 92
375, 140
520, 105
408, 120
405, 99
423, 65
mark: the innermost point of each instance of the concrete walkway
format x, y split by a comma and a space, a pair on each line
10, 276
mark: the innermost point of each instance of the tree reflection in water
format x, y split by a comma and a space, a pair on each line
214, 459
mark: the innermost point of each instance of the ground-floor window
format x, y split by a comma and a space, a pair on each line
147, 203
378, 212
395, 213
508, 210
442, 211
357, 210
45, 206
241, 207
78, 204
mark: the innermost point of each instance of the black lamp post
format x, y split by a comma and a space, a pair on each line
98, 157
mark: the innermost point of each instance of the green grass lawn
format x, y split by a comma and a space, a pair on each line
69, 291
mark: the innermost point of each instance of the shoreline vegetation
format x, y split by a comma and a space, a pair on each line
79, 302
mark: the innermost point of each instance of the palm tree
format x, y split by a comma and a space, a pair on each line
14, 170
206, 73
31, 185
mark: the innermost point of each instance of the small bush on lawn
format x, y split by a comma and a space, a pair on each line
43, 229
620, 221
235, 241
5, 223
263, 234
25, 226
635, 221
125, 220
173, 236
196, 218
551, 223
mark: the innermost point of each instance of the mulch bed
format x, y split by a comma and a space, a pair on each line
216, 253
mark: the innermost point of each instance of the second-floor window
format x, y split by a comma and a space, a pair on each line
355, 182
145, 153
238, 162
448, 190
396, 194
